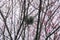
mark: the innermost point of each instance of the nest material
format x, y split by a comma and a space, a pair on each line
29, 20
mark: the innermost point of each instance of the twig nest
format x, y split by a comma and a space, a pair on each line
29, 20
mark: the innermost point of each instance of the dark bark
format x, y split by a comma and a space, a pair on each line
38, 22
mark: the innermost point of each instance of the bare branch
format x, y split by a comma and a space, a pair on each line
6, 24
52, 33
